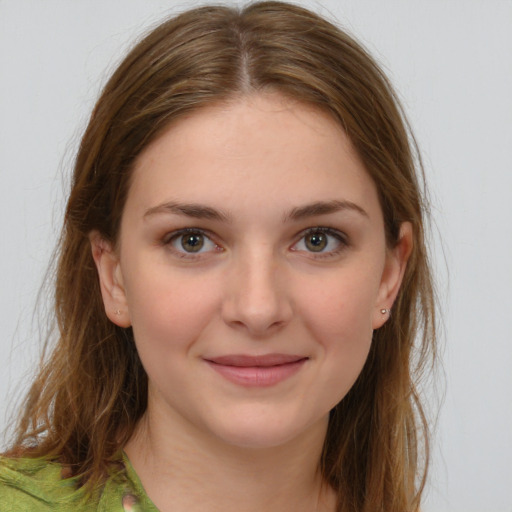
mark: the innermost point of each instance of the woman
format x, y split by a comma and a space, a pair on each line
241, 280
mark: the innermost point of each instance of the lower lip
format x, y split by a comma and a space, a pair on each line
258, 376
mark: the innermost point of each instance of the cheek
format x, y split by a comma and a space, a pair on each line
169, 311
339, 318
344, 335
344, 339
342, 305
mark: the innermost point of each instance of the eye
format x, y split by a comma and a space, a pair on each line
191, 241
321, 241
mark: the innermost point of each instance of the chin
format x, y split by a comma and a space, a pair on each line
261, 432
256, 440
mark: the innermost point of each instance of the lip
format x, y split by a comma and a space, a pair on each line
257, 371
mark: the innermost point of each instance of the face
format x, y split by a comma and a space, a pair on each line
252, 265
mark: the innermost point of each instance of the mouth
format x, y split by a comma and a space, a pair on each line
257, 371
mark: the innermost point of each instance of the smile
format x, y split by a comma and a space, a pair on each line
257, 371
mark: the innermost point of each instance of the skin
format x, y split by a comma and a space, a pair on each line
259, 171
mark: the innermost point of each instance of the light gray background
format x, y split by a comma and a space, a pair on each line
451, 62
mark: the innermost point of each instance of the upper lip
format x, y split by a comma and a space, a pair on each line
266, 360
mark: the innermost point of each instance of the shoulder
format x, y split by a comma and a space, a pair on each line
37, 484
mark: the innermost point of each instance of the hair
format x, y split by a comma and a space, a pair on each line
92, 389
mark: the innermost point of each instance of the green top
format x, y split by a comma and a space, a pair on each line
38, 485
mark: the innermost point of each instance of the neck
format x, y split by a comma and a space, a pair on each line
185, 470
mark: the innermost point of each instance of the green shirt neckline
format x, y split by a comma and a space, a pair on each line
36, 484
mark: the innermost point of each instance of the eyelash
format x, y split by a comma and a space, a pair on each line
172, 237
340, 237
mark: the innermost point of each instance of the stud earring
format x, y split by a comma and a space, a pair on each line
385, 311
117, 312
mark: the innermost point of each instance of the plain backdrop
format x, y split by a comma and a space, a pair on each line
451, 62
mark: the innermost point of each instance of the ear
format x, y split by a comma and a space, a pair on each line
111, 280
392, 276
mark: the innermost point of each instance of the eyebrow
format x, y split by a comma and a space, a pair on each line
199, 211
323, 208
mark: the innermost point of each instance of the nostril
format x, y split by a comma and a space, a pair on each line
257, 321
256, 298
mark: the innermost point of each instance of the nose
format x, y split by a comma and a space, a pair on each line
256, 298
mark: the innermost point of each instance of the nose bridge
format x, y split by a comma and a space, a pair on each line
257, 298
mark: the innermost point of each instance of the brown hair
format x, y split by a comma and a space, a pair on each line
92, 389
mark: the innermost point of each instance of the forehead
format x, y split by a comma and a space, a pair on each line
262, 149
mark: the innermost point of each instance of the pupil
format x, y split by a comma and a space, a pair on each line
192, 243
316, 242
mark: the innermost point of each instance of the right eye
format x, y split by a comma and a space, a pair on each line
188, 242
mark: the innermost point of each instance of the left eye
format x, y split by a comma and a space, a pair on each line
192, 242
319, 241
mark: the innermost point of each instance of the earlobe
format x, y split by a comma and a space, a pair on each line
111, 280
393, 274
